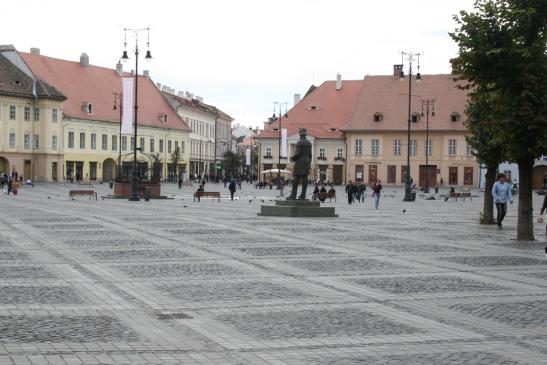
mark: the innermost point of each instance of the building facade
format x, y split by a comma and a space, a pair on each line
210, 131
89, 135
31, 121
378, 140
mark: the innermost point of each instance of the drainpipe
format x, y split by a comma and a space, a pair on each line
215, 153
32, 138
346, 164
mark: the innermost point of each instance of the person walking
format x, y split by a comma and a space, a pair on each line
180, 180
232, 188
543, 209
501, 192
377, 189
349, 191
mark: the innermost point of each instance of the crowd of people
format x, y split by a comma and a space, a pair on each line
357, 192
10, 183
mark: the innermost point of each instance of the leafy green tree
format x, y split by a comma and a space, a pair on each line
485, 146
502, 48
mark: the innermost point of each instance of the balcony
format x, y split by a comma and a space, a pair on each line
322, 158
267, 157
339, 158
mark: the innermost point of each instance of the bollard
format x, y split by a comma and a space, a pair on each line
147, 193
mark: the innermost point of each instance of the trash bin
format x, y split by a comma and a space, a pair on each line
147, 193
436, 190
111, 184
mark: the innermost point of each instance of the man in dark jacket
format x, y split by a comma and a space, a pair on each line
232, 189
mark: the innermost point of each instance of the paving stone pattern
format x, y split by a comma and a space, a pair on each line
180, 282
427, 284
316, 323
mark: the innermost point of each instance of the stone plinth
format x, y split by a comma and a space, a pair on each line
296, 208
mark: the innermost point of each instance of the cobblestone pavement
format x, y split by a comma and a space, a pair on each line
181, 282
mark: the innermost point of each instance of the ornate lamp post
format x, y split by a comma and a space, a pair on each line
410, 56
135, 176
427, 103
118, 105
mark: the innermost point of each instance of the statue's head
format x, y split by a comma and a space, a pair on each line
302, 132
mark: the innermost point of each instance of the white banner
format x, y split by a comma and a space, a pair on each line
248, 157
128, 104
283, 142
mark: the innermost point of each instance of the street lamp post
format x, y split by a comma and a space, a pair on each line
410, 57
135, 176
279, 105
428, 103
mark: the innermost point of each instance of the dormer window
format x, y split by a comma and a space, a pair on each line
87, 108
455, 116
313, 107
17, 83
378, 117
415, 117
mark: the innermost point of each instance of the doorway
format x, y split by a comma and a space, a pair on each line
453, 175
431, 172
337, 174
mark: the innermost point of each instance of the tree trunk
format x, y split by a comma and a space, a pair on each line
525, 225
488, 206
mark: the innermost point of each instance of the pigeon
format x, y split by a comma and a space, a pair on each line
185, 206
49, 197
250, 201
404, 210
262, 200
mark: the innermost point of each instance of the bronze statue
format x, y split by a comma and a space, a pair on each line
302, 162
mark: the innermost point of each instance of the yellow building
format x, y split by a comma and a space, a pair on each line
31, 121
377, 134
91, 140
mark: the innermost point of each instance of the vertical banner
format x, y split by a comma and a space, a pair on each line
248, 157
128, 104
283, 142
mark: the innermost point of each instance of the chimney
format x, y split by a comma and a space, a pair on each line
165, 88
119, 68
84, 60
158, 85
146, 73
296, 99
35, 51
338, 81
180, 94
397, 70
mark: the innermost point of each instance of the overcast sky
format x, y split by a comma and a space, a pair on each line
241, 55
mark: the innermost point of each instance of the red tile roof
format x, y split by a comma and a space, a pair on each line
96, 85
389, 96
320, 110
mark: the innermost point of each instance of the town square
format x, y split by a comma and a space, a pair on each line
291, 183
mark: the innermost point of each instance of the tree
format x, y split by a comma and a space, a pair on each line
175, 158
502, 49
486, 149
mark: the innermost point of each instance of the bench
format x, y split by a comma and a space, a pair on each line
206, 194
91, 193
326, 195
461, 195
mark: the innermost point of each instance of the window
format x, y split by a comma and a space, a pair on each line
413, 147
132, 143
339, 152
54, 115
82, 140
322, 152
27, 113
269, 151
468, 150
161, 145
93, 141
70, 139
182, 147
451, 147
36, 114
12, 112
36, 141
151, 144
104, 142
397, 147
168, 146
375, 147
358, 146
428, 148
26, 141
54, 142
114, 143
12, 140
141, 144
124, 143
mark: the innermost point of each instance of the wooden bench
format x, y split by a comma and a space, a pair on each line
206, 194
460, 195
91, 193
326, 195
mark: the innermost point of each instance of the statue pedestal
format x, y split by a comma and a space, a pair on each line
296, 208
